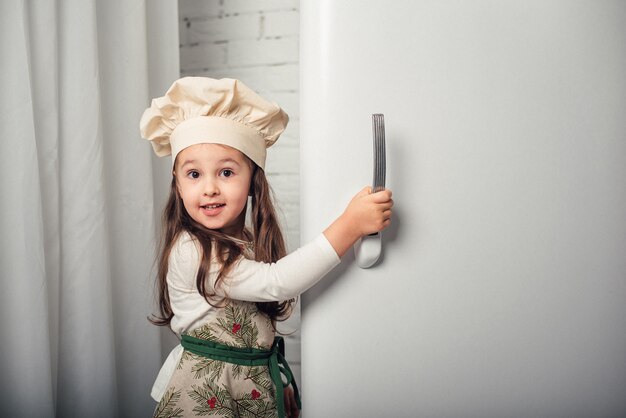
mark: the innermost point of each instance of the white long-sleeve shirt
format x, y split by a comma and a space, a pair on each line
248, 280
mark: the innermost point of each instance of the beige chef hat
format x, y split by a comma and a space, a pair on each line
199, 110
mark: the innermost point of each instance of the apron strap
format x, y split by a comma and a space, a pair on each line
274, 359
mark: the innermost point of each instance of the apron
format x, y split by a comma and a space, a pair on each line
230, 367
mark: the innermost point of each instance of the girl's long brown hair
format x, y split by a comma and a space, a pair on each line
266, 235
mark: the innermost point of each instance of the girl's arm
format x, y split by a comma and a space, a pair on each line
251, 280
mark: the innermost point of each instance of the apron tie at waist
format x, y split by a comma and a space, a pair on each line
273, 358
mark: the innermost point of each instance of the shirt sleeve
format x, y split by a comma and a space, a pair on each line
256, 281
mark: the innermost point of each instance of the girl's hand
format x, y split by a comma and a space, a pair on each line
369, 213
365, 214
291, 408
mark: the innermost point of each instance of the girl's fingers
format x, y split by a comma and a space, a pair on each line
364, 191
379, 207
382, 196
287, 403
386, 205
291, 409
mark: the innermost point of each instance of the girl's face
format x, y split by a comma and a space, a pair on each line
214, 181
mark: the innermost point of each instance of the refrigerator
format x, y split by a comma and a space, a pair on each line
501, 287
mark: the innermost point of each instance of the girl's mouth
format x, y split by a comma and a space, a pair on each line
212, 210
218, 205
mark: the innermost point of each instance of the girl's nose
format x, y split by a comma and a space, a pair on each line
211, 189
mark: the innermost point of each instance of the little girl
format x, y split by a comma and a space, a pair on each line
222, 286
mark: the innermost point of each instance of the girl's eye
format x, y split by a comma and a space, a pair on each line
227, 173
193, 174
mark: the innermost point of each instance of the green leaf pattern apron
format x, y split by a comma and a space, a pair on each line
204, 386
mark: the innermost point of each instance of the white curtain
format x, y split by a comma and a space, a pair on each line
79, 202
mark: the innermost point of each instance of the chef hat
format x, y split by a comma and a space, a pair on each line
199, 110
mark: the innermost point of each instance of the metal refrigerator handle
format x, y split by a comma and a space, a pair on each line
367, 250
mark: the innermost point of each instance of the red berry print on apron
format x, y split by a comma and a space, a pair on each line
236, 328
211, 402
255, 394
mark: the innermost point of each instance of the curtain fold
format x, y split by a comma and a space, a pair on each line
78, 205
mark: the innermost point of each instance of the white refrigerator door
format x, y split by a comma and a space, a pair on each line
502, 291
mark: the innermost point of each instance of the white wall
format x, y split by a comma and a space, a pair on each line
257, 43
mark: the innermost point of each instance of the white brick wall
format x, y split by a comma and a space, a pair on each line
255, 41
